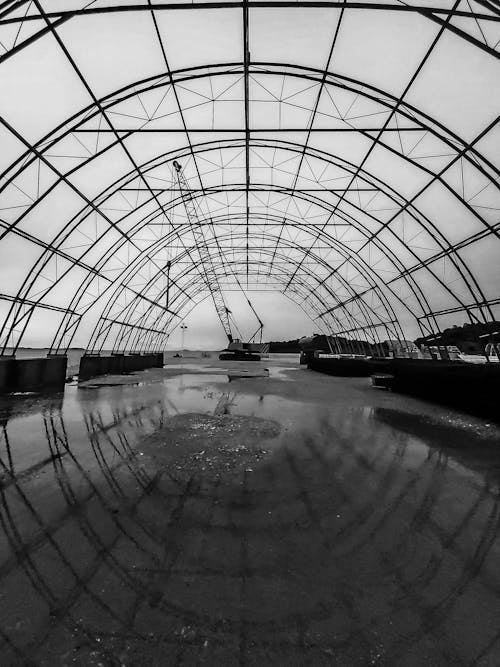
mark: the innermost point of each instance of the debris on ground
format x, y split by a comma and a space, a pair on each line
198, 444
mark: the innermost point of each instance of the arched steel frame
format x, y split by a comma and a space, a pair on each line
333, 299
478, 10
312, 307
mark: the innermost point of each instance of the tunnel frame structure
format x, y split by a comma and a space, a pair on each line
475, 305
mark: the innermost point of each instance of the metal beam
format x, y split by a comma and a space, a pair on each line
241, 130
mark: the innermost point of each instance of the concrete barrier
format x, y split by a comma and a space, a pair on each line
39, 374
348, 366
117, 364
6, 373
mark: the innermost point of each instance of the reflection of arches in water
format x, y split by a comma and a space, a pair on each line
72, 510
119, 535
404, 549
226, 401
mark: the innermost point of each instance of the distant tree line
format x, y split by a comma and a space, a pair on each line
469, 338
286, 346
338, 344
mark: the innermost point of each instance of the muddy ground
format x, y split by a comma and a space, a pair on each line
172, 517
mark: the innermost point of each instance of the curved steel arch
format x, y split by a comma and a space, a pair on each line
436, 14
194, 285
419, 119
479, 306
388, 252
283, 189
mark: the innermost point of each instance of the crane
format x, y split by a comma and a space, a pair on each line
208, 269
207, 265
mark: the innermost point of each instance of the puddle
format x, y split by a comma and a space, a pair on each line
191, 516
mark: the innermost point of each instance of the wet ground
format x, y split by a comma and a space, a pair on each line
178, 518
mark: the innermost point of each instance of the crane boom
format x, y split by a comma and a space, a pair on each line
261, 324
207, 265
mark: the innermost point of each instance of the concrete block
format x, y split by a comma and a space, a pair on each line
39, 374
6, 373
54, 376
90, 366
94, 365
29, 374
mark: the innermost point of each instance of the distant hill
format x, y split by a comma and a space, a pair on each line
285, 346
469, 338
466, 337
337, 343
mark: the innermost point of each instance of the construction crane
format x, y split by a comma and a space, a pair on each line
207, 265
260, 328
208, 269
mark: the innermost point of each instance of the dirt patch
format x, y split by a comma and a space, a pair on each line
205, 445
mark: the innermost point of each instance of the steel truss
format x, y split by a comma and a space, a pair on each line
280, 208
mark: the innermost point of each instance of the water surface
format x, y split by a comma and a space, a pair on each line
365, 532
